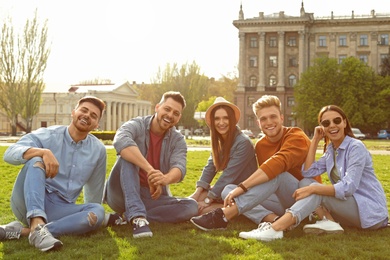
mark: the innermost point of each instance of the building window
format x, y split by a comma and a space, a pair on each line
251, 100
343, 40
272, 42
272, 81
364, 40
341, 58
384, 56
384, 39
290, 101
253, 42
363, 58
252, 81
251, 121
273, 61
292, 79
253, 61
292, 41
292, 62
43, 123
291, 121
322, 41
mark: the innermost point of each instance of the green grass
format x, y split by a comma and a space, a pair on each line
184, 241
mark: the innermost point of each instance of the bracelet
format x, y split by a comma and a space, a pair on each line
242, 187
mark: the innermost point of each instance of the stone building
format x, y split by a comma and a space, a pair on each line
121, 100
275, 49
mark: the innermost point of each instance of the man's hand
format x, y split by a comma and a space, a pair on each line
155, 191
156, 178
50, 162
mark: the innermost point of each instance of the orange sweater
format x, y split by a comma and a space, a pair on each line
286, 155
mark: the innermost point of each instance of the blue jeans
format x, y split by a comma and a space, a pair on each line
31, 199
273, 196
124, 194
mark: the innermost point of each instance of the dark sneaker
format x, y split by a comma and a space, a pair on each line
113, 220
42, 239
141, 228
11, 230
211, 220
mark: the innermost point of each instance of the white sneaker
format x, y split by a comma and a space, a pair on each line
264, 232
323, 226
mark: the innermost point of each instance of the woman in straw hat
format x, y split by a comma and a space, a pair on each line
232, 154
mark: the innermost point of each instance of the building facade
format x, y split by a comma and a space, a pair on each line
121, 100
275, 49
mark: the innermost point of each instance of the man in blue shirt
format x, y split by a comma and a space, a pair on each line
59, 161
152, 155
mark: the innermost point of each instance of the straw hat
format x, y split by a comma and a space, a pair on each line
220, 101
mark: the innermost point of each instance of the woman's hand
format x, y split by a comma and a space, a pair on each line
229, 200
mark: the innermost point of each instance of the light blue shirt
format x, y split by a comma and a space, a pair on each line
81, 164
354, 164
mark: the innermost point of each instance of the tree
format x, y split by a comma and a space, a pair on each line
21, 71
187, 80
352, 85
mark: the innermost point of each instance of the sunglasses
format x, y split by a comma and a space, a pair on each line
336, 121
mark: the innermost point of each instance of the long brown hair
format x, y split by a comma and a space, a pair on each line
221, 147
347, 129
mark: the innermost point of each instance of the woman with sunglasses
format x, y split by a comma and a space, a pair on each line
354, 197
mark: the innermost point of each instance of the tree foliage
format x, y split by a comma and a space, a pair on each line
21, 70
352, 85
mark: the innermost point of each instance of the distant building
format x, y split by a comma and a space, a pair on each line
121, 100
275, 49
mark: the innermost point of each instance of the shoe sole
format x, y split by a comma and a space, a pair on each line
144, 234
57, 245
260, 239
205, 229
318, 231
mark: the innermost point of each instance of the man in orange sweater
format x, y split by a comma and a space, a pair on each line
280, 155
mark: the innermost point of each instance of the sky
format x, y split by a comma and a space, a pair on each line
129, 40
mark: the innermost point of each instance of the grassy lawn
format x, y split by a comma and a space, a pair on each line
184, 241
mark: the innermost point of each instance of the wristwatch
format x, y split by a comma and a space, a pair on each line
207, 200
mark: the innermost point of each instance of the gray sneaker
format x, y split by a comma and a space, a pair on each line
42, 239
11, 230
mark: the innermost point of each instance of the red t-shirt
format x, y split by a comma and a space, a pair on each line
153, 157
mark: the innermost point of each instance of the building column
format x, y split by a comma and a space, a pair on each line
241, 62
114, 116
373, 58
261, 84
120, 119
108, 113
281, 77
301, 59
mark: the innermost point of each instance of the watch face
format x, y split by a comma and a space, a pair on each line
207, 200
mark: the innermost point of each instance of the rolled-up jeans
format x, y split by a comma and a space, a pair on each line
124, 194
273, 196
31, 199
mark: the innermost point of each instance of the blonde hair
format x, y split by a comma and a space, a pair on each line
266, 101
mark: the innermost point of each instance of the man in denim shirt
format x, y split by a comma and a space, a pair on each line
59, 161
151, 155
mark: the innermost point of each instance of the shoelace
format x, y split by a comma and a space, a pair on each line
11, 234
262, 226
43, 232
140, 222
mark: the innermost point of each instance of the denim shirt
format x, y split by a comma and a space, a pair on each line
135, 132
241, 165
354, 164
81, 165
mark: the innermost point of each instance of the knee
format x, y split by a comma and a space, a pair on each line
305, 182
95, 216
228, 188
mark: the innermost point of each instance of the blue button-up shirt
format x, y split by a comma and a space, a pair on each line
354, 164
81, 164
